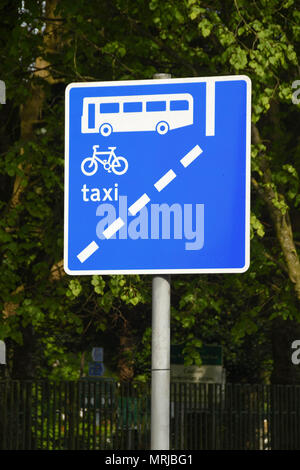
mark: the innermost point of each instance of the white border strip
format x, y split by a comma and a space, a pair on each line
88, 251
220, 78
206, 80
139, 204
165, 180
113, 228
157, 271
66, 181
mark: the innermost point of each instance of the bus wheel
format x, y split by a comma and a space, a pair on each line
105, 130
162, 127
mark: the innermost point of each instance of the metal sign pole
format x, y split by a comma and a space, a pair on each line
160, 374
160, 370
2, 92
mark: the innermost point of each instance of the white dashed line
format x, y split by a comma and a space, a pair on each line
87, 252
191, 156
113, 228
165, 180
139, 204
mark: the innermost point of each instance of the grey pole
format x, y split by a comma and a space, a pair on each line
160, 373
2, 92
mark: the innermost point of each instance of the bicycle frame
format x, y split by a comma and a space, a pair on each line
111, 155
118, 165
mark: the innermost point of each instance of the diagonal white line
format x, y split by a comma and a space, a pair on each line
139, 204
113, 228
165, 180
87, 252
191, 156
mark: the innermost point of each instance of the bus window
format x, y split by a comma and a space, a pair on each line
156, 106
133, 107
179, 105
91, 115
109, 107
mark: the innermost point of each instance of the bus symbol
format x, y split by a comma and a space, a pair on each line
159, 113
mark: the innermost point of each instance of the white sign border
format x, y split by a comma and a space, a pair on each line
247, 181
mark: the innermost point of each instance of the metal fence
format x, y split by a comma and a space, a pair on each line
104, 414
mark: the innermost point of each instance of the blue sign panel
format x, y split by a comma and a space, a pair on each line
97, 354
96, 369
157, 176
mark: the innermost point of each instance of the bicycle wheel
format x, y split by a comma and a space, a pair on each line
89, 166
119, 166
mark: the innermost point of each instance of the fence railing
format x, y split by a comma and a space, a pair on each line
104, 414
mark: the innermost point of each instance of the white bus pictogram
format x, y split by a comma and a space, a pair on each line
159, 113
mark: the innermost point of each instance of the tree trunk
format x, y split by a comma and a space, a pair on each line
281, 220
23, 358
125, 364
284, 332
30, 115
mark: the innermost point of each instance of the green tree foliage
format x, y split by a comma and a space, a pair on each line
44, 45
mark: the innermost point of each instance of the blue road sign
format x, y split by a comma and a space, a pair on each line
96, 369
97, 354
157, 176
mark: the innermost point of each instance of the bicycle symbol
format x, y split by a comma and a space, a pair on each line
119, 165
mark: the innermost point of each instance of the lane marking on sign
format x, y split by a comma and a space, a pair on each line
139, 204
88, 251
165, 180
210, 108
113, 228
191, 156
